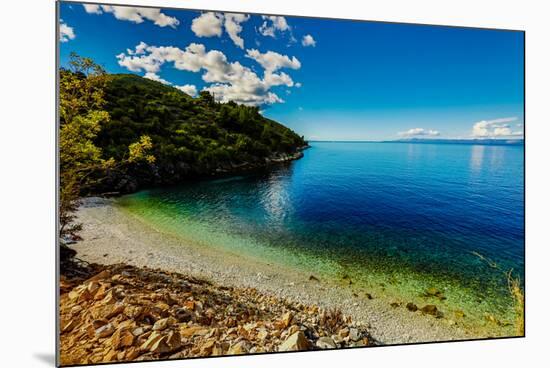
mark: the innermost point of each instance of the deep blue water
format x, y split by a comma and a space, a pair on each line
373, 207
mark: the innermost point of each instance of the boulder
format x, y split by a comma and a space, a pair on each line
325, 342
295, 342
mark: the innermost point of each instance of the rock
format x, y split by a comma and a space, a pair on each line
295, 342
122, 339
368, 296
293, 329
412, 307
183, 315
105, 331
429, 309
162, 324
433, 292
194, 330
394, 304
343, 332
313, 278
242, 347
152, 340
337, 339
285, 321
354, 334
325, 342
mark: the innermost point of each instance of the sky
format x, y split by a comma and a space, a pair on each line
326, 79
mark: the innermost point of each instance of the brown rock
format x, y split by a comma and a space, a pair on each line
429, 309
162, 324
194, 330
295, 342
105, 331
242, 347
412, 307
325, 342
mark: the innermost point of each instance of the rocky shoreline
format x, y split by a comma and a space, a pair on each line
149, 175
111, 235
126, 313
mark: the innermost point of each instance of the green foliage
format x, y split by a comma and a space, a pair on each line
81, 163
196, 133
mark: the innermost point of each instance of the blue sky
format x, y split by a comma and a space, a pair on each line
326, 79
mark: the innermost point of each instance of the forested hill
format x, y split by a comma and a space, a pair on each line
191, 137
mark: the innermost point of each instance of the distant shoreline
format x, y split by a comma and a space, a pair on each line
473, 142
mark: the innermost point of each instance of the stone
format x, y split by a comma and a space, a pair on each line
412, 307
354, 334
293, 329
313, 278
325, 342
242, 347
429, 309
295, 342
394, 304
194, 330
162, 324
152, 340
105, 331
337, 339
183, 315
287, 319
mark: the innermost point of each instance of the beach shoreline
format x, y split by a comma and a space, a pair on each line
111, 236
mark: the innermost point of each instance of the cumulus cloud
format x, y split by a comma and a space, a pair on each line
272, 24
66, 33
228, 81
134, 14
156, 77
190, 89
208, 24
308, 40
495, 128
233, 27
211, 24
272, 61
187, 88
419, 132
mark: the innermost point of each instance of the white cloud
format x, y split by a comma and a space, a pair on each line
190, 89
418, 132
233, 27
211, 24
208, 24
495, 128
272, 24
308, 41
156, 77
134, 14
187, 88
272, 61
228, 81
66, 33
298, 85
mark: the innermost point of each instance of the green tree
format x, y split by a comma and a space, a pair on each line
82, 98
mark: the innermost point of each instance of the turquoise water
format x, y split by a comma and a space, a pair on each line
395, 217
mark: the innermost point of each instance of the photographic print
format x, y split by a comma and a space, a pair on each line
245, 183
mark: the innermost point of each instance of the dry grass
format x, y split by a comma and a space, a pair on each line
516, 293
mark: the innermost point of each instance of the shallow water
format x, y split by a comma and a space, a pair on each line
395, 218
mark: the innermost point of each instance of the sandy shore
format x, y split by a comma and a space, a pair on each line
113, 236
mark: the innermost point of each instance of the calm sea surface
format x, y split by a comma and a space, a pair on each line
390, 214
